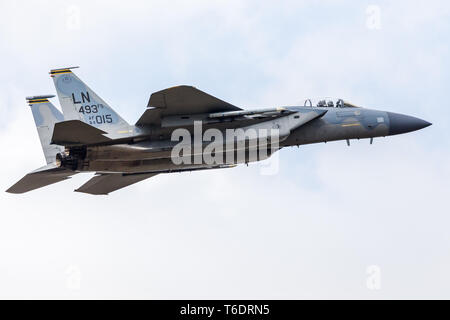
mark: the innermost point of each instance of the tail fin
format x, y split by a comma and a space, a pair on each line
45, 117
79, 102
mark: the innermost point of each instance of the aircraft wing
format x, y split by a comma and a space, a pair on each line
41, 177
181, 100
109, 182
104, 183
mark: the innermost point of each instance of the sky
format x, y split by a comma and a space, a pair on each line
334, 222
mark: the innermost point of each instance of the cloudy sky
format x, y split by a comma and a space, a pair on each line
366, 221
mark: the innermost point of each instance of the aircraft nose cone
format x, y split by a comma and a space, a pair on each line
400, 123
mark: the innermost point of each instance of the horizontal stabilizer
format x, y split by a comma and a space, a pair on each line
41, 177
109, 182
76, 132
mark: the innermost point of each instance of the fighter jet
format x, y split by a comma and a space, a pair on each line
182, 129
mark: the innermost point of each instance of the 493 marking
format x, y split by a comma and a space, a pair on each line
90, 109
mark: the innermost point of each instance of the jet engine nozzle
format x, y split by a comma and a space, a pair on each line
66, 161
59, 159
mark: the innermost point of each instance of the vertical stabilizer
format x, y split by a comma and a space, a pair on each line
79, 102
45, 116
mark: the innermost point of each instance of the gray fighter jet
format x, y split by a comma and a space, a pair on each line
89, 136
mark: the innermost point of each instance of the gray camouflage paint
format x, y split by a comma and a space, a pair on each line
75, 96
335, 124
45, 116
143, 149
341, 124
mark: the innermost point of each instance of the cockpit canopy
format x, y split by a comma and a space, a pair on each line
328, 103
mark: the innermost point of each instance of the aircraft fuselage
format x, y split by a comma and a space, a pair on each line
151, 150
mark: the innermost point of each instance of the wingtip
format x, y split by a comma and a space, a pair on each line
92, 194
12, 191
